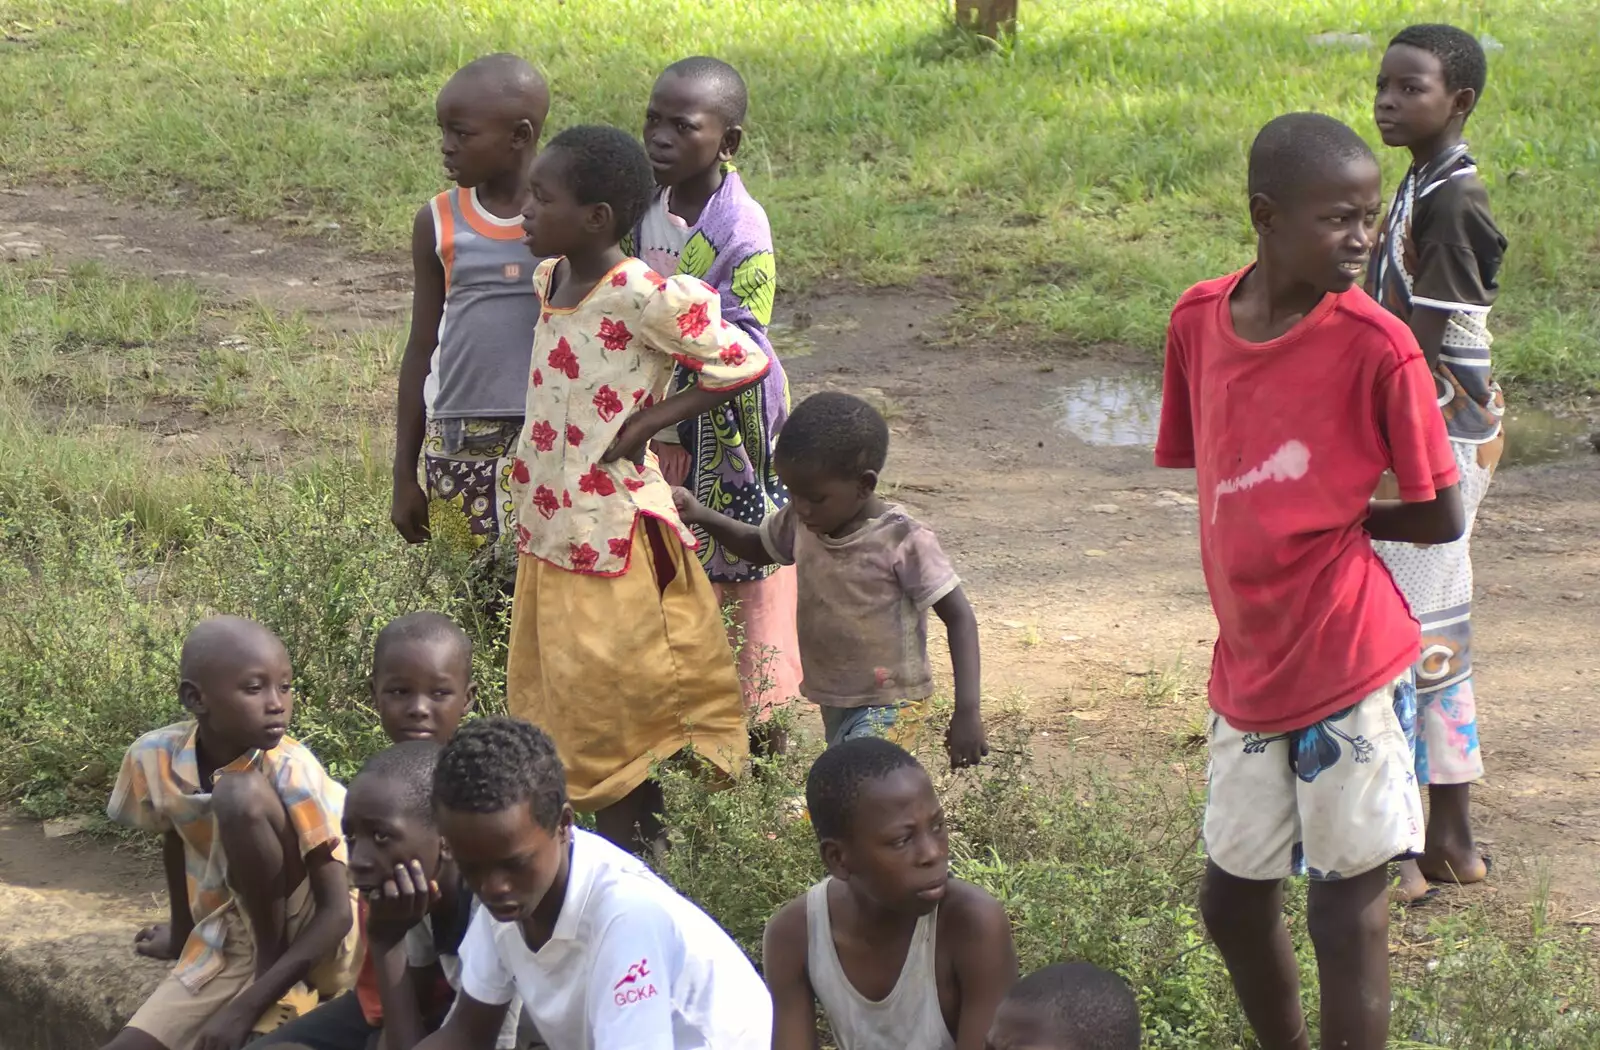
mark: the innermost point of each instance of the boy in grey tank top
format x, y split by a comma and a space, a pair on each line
900, 955
464, 377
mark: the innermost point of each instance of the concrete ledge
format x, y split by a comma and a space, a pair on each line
69, 909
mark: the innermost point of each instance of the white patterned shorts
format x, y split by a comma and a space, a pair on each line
1333, 800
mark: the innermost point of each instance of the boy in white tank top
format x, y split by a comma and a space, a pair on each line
464, 377
900, 955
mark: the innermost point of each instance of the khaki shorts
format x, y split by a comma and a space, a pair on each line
174, 1016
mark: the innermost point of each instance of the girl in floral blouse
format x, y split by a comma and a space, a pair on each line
617, 644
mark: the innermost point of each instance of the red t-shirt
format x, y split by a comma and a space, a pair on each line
1289, 439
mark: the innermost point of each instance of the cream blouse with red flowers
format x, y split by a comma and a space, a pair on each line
594, 365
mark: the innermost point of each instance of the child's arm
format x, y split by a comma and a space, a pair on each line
1428, 325
166, 942
783, 957
965, 738
683, 319
407, 898
742, 540
986, 964
330, 893
472, 1026
1439, 520
688, 403
409, 507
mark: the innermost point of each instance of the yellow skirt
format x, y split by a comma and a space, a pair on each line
623, 671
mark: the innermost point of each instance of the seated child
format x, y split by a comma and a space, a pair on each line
703, 223
868, 574
1290, 392
605, 955
1068, 1006
414, 906
1436, 266
255, 861
900, 955
465, 367
617, 647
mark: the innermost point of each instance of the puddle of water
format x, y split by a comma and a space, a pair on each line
1536, 436
1111, 410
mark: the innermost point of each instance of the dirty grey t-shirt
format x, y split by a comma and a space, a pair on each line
862, 615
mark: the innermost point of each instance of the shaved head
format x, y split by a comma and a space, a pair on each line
223, 643
507, 82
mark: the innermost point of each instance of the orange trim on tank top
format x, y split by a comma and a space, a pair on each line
481, 222
444, 222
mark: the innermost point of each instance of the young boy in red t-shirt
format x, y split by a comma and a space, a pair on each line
1290, 392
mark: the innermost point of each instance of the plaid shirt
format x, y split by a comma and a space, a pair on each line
159, 790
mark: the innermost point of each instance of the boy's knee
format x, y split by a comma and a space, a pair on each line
1228, 902
1347, 913
246, 798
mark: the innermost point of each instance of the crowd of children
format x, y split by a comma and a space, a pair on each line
590, 389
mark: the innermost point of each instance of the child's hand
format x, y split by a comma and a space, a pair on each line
155, 942
228, 1029
690, 509
408, 510
401, 903
630, 443
965, 740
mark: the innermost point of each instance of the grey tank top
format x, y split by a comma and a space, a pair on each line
909, 1019
480, 370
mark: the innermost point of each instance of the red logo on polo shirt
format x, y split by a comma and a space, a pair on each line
634, 986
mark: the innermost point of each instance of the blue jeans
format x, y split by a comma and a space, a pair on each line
886, 720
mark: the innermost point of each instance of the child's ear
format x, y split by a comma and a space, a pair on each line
524, 134
192, 699
833, 859
1262, 213
472, 697
1464, 103
731, 140
602, 218
869, 482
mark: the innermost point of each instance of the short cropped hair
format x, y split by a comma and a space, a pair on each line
729, 97
422, 627
409, 766
493, 764
834, 784
835, 432
512, 77
1080, 1006
606, 165
1458, 51
1295, 148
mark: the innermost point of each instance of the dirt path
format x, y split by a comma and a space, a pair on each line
1081, 558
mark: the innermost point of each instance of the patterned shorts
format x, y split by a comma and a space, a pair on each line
474, 477
466, 467
1334, 800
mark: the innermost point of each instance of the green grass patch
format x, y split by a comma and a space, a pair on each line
1071, 185
124, 396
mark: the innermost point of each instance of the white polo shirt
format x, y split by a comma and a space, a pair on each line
632, 965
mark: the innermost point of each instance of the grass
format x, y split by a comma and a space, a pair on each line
121, 395
163, 457
1069, 186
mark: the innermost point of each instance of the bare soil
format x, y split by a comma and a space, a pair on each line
1081, 560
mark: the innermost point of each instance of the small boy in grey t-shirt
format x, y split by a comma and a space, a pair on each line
868, 574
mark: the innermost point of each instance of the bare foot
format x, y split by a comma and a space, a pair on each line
1413, 884
1452, 867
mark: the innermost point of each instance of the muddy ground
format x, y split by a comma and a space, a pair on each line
1079, 555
